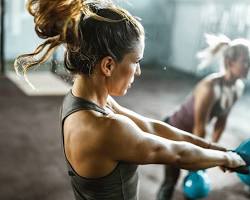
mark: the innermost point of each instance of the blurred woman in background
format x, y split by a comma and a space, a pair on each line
212, 98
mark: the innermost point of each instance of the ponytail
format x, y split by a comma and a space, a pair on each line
57, 22
216, 46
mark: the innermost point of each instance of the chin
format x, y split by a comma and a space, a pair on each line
118, 94
124, 93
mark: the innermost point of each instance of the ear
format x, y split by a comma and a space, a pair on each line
107, 65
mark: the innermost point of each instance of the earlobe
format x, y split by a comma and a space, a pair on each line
108, 70
107, 65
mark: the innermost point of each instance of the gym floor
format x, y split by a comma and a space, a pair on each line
32, 162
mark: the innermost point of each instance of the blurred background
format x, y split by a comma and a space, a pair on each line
32, 165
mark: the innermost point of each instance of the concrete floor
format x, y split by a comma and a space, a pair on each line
32, 164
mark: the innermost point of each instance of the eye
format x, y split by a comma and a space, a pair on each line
139, 61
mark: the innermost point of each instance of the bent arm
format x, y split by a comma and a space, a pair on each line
125, 141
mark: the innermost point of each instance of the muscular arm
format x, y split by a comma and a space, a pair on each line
160, 128
125, 141
203, 103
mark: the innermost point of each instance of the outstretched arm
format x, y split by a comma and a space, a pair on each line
125, 141
160, 128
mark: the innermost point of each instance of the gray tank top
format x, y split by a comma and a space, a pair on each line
120, 184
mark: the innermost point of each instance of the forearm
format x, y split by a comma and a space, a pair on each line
192, 157
216, 135
218, 129
199, 130
172, 133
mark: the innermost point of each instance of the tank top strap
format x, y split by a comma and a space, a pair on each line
72, 104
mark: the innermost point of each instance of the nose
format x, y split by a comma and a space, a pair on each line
138, 70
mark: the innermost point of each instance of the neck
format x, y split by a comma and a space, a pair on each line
90, 89
229, 79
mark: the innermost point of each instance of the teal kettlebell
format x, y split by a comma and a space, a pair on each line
244, 151
196, 184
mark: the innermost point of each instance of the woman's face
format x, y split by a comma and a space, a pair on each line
240, 67
125, 71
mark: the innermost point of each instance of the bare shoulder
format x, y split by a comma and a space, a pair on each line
207, 87
96, 129
212, 79
117, 125
84, 126
209, 83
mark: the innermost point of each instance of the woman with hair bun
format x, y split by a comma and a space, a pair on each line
212, 98
104, 142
